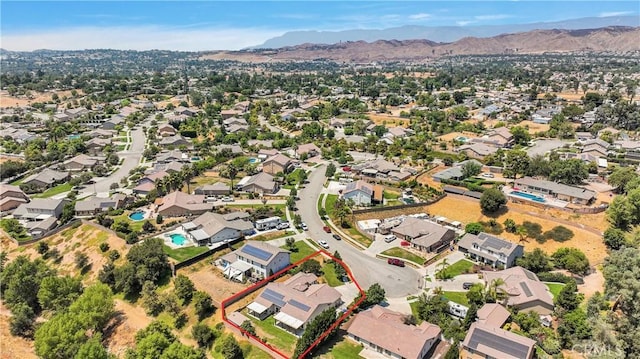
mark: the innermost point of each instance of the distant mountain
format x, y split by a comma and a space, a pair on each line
609, 39
439, 33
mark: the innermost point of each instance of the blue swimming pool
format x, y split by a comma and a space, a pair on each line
137, 216
462, 139
177, 238
254, 160
73, 137
529, 196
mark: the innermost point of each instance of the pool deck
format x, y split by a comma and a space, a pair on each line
167, 239
547, 200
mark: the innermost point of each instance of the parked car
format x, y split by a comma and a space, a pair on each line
323, 244
227, 199
467, 285
396, 262
488, 175
337, 237
283, 225
304, 226
326, 229
390, 238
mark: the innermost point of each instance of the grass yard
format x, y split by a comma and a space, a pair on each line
18, 181
134, 225
330, 275
345, 349
280, 206
457, 297
273, 235
61, 188
391, 195
275, 336
303, 251
319, 204
414, 311
330, 204
554, 288
404, 254
182, 254
460, 267
357, 236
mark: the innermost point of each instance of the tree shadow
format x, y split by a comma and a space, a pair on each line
118, 318
327, 346
496, 214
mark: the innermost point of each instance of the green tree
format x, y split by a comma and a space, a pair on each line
568, 299
184, 288
94, 307
248, 327
149, 260
318, 325
330, 171
621, 176
571, 172
510, 225
536, 261
471, 169
475, 295
492, 200
202, 304
150, 299
311, 266
203, 334
93, 349
614, 238
474, 228
60, 337
620, 213
571, 259
230, 348
57, 293
22, 320
20, 281
178, 350
82, 260
573, 327
374, 295
516, 163
521, 135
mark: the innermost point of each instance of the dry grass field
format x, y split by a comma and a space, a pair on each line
388, 120
11, 101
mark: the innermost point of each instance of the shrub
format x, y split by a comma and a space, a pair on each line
554, 277
534, 230
474, 228
559, 234
104, 246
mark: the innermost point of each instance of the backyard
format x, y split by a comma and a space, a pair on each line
460, 267
404, 254
275, 336
330, 275
182, 254
302, 250
61, 188
554, 288
457, 297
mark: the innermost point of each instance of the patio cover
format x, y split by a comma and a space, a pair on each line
257, 307
288, 320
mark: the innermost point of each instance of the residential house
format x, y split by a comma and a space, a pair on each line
229, 113
423, 234
235, 121
387, 333
210, 228
255, 259
523, 290
234, 150
260, 183
486, 341
147, 183
179, 204
454, 172
113, 122
584, 136
100, 133
45, 179
276, 164
185, 111
394, 133
379, 168
92, 206
594, 150
38, 229
172, 156
477, 150
360, 192
491, 250
170, 167
294, 302
501, 136
81, 162
40, 209
216, 189
174, 141
96, 145
167, 130
493, 314
74, 113
265, 153
11, 197
237, 128
310, 149
576, 195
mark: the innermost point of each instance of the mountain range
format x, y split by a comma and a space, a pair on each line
609, 39
439, 33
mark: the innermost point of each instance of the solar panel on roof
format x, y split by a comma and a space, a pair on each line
299, 305
499, 343
526, 289
274, 297
256, 252
493, 242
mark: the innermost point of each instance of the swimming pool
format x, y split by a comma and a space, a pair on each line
137, 216
177, 238
73, 137
254, 160
462, 139
528, 196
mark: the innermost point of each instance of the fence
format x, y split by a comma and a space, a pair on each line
402, 206
586, 210
201, 256
51, 233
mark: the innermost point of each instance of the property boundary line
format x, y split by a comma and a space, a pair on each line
234, 298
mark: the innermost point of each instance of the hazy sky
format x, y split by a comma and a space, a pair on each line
211, 25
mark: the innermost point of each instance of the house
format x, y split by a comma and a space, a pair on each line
576, 195
485, 341
378, 168
11, 197
256, 259
493, 314
310, 149
148, 182
454, 172
423, 234
294, 302
38, 229
113, 122
94, 205
477, 150
210, 228
172, 156
594, 150
491, 250
96, 145
386, 333
81, 162
185, 111
584, 136
265, 153
501, 136
216, 189
167, 130
174, 141
276, 164
178, 204
234, 150
240, 121
45, 179
523, 290
260, 183
40, 209
100, 133
237, 128
360, 192
74, 113
229, 113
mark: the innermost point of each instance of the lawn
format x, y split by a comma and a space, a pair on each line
357, 236
414, 311
555, 288
182, 254
459, 267
303, 251
458, 297
319, 204
280, 206
275, 336
330, 275
134, 225
346, 349
273, 235
404, 254
61, 188
330, 204
391, 195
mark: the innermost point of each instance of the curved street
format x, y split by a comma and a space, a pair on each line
396, 281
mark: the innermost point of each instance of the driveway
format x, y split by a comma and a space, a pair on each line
396, 281
543, 146
131, 159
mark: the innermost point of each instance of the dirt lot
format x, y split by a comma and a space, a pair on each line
13, 347
391, 121
534, 127
11, 101
453, 135
209, 279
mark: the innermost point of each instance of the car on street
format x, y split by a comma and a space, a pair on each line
467, 285
390, 238
337, 237
304, 226
326, 229
396, 262
323, 244
227, 199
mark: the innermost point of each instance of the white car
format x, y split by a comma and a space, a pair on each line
304, 226
488, 175
323, 244
390, 238
227, 199
283, 225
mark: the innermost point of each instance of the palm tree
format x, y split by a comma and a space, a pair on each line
443, 266
231, 172
494, 291
188, 173
522, 232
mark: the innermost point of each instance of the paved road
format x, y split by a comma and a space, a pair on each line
131, 157
543, 146
397, 282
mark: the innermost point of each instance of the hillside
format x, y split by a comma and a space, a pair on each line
610, 39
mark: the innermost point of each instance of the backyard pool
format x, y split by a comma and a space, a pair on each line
73, 137
177, 239
137, 216
462, 139
254, 160
528, 196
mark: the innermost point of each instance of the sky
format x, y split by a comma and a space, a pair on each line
231, 25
